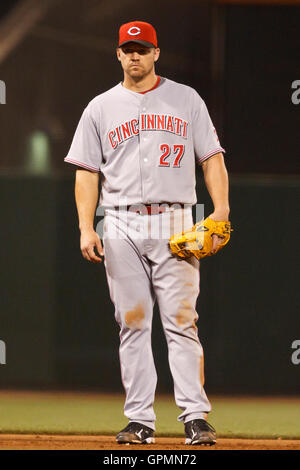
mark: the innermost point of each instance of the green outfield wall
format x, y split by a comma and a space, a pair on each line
57, 320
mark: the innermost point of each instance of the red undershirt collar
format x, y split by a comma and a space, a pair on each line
155, 86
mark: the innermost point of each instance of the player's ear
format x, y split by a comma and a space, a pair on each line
118, 53
156, 54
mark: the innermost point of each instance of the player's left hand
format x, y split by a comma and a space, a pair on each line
218, 215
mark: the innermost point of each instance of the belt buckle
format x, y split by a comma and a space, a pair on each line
148, 209
156, 209
138, 209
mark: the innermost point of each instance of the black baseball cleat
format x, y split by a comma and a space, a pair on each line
136, 433
198, 431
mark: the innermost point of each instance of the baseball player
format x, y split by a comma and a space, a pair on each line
142, 140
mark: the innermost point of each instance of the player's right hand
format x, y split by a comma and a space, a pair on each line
89, 240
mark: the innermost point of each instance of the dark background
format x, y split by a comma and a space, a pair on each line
56, 317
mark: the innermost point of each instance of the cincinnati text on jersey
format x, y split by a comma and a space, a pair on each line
147, 122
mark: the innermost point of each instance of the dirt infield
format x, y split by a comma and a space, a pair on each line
66, 442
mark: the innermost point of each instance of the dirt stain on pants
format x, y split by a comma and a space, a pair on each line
134, 318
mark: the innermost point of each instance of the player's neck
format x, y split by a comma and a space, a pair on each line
139, 86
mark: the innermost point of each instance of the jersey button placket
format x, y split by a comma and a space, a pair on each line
140, 144
144, 150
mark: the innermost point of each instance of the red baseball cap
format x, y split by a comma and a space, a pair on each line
137, 31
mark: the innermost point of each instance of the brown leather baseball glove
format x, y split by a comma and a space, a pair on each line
198, 241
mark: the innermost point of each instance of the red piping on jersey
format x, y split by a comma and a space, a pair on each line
210, 154
76, 162
155, 86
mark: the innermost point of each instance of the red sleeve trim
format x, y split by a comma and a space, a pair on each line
210, 154
76, 162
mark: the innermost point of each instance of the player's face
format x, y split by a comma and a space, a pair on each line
137, 61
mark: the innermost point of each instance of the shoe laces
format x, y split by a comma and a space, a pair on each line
136, 427
202, 425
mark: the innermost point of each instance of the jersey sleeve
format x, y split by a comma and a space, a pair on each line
85, 150
205, 138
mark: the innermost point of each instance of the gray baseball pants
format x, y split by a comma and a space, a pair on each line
141, 270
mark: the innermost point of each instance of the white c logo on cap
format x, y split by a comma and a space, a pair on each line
133, 31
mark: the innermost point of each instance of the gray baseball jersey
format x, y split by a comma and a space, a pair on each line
145, 145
